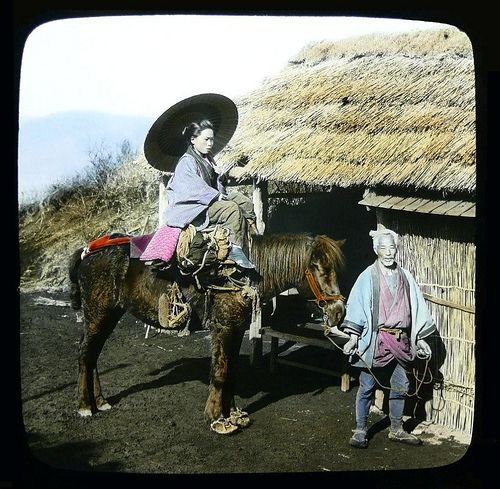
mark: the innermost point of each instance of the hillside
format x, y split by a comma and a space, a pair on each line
121, 199
55, 147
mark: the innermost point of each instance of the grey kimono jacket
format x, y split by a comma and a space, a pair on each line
191, 189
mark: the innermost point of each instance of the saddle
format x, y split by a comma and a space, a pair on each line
193, 250
197, 251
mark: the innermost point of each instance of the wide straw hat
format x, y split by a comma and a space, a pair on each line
164, 143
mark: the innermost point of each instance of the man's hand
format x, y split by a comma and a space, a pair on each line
351, 346
423, 349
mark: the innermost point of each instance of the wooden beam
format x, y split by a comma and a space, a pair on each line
162, 199
444, 302
308, 338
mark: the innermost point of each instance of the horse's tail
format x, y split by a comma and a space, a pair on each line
75, 294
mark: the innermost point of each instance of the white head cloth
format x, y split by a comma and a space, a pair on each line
382, 231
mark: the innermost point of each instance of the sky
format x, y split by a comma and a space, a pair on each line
141, 65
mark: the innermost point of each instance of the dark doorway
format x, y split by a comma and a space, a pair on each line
336, 214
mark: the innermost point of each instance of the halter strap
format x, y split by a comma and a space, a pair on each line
321, 299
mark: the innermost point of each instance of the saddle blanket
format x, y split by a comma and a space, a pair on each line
159, 245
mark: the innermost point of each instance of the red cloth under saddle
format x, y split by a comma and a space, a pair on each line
106, 240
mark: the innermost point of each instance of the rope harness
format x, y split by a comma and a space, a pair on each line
173, 311
419, 381
321, 299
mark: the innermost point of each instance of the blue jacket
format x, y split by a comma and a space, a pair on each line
362, 313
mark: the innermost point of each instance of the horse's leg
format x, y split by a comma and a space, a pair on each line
100, 401
231, 311
229, 403
96, 332
221, 338
236, 415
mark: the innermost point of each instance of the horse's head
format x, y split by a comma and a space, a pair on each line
282, 259
326, 261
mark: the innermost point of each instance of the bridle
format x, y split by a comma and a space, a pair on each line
321, 299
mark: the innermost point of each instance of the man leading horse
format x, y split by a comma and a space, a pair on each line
387, 320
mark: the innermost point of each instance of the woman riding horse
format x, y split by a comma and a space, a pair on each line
110, 282
196, 193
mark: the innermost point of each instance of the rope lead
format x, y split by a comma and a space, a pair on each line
419, 381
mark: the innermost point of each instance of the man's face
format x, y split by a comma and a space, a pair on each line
204, 142
386, 251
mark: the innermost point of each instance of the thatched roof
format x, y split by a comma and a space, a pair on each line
394, 110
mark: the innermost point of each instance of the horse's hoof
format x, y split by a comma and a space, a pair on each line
104, 407
223, 426
239, 418
85, 413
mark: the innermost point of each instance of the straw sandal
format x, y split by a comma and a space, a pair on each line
223, 426
239, 418
403, 436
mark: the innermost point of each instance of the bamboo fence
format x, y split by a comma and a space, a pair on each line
443, 263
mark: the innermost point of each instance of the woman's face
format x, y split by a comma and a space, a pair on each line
204, 142
386, 251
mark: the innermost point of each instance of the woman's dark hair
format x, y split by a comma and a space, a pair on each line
194, 129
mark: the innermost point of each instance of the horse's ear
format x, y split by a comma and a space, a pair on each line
341, 242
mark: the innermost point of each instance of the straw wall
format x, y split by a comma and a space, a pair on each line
440, 253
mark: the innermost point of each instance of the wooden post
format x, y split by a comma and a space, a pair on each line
274, 354
162, 199
260, 205
256, 352
379, 399
345, 382
255, 337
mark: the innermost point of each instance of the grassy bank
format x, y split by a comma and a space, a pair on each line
109, 197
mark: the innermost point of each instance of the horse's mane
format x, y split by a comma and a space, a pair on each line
281, 259
331, 250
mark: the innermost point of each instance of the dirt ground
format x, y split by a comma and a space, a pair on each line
157, 386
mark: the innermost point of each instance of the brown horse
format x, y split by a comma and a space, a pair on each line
108, 283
